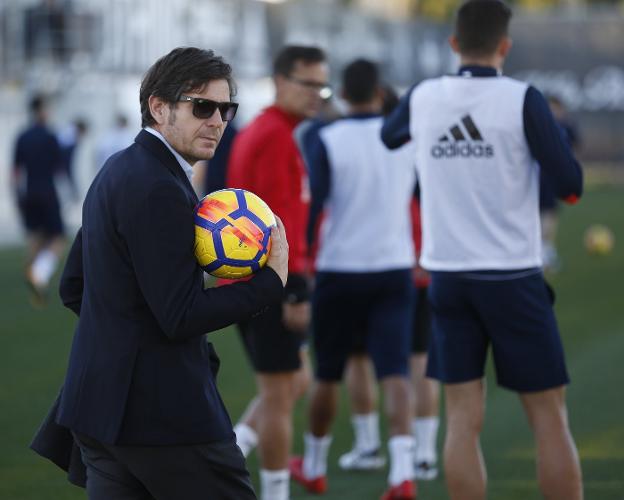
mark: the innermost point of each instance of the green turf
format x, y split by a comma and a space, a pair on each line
590, 306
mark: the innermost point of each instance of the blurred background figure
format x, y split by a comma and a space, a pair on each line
265, 160
549, 205
116, 138
69, 139
37, 158
360, 380
362, 301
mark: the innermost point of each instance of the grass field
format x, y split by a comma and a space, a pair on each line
590, 305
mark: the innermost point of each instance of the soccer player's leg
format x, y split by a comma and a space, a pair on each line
388, 343
362, 393
280, 367
558, 468
529, 359
333, 310
457, 353
46, 243
425, 416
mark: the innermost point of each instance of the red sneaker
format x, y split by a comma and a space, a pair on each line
318, 485
404, 491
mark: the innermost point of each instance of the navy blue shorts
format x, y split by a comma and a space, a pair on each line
422, 321
41, 215
271, 347
371, 308
513, 312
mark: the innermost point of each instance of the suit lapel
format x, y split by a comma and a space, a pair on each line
155, 146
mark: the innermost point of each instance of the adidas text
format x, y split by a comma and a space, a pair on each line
462, 149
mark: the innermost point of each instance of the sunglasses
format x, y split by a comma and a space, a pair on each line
324, 90
205, 108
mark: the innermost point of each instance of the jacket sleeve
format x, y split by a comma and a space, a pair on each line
160, 239
396, 128
549, 147
72, 282
319, 169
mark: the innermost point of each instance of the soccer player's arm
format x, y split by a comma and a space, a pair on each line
160, 236
72, 280
549, 147
395, 131
320, 178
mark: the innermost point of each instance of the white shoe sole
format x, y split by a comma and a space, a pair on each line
425, 473
346, 462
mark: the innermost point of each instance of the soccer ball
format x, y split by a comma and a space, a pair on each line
599, 240
232, 233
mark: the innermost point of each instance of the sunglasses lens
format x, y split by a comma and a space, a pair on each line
204, 109
228, 111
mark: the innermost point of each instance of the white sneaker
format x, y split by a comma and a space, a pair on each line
425, 471
357, 459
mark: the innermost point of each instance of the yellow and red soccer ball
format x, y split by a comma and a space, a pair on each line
232, 233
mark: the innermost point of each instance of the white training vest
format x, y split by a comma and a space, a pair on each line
367, 224
479, 182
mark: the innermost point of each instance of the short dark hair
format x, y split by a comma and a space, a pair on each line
181, 70
480, 25
360, 81
286, 58
37, 103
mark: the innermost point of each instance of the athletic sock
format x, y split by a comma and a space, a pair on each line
43, 267
246, 438
315, 456
401, 450
425, 431
366, 429
274, 484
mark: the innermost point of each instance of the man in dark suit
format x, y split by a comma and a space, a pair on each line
140, 394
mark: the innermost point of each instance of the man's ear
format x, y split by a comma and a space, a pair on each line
504, 46
454, 43
158, 108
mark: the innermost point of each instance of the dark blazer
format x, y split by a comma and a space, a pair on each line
141, 371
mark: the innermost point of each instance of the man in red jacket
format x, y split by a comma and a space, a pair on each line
265, 160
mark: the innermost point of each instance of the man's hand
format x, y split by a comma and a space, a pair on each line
296, 317
278, 256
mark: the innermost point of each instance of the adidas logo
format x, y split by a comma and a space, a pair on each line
461, 146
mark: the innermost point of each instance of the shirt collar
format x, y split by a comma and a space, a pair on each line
186, 166
474, 70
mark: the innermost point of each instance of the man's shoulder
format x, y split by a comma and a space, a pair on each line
136, 166
262, 135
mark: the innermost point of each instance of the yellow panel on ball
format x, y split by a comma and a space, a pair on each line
232, 233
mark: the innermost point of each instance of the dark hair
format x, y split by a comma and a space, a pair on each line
480, 25
181, 70
286, 58
37, 103
360, 80
82, 125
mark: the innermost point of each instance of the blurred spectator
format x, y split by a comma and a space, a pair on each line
549, 205
265, 160
45, 30
68, 139
36, 159
118, 137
